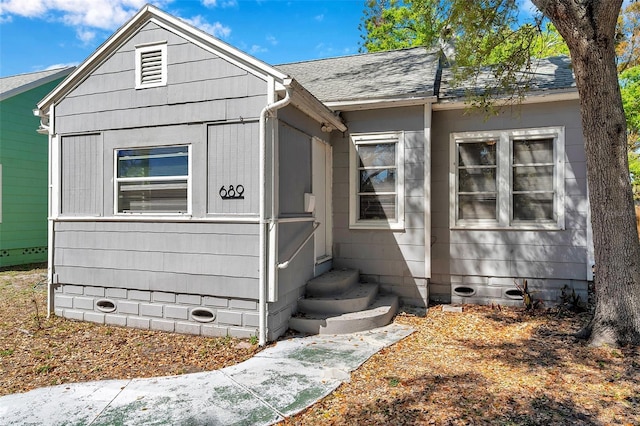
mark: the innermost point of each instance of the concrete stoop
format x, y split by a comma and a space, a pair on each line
337, 303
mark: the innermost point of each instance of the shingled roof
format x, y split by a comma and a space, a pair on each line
547, 75
404, 73
16, 84
411, 73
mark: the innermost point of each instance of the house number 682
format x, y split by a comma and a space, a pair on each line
231, 192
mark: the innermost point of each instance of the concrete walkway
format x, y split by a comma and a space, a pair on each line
277, 382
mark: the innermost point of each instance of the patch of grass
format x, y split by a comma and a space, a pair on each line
44, 369
6, 352
393, 381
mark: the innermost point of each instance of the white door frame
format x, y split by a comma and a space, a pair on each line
323, 248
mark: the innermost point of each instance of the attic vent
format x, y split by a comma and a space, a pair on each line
151, 65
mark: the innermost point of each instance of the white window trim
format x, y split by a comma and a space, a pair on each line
354, 179
117, 180
504, 178
143, 48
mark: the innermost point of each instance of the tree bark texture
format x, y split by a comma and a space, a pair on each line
588, 28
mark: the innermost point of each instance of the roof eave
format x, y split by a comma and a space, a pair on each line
532, 98
310, 105
378, 103
36, 83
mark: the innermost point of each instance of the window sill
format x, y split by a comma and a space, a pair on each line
381, 226
527, 227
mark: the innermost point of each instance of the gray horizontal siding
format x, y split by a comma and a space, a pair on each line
205, 285
200, 87
544, 254
394, 259
192, 258
161, 115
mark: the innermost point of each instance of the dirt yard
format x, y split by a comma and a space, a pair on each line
36, 351
484, 366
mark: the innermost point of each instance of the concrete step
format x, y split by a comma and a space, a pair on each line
379, 314
333, 282
357, 298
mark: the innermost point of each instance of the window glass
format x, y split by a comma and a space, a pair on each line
477, 207
508, 178
153, 180
477, 180
171, 161
377, 207
377, 155
533, 206
376, 181
532, 151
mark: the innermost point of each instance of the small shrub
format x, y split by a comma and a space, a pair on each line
571, 301
530, 303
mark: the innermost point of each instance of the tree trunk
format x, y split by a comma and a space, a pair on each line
588, 28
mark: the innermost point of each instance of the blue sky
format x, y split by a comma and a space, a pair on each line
41, 34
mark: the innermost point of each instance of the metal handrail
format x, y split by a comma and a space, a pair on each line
284, 265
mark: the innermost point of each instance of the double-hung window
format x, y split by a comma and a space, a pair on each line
509, 178
153, 180
377, 181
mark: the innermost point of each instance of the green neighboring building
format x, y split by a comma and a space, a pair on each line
23, 167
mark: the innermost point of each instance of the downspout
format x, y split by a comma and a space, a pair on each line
46, 128
264, 223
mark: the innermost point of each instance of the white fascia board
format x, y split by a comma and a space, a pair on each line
93, 61
380, 103
536, 98
214, 45
153, 14
311, 106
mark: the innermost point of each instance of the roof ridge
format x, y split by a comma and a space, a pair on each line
361, 54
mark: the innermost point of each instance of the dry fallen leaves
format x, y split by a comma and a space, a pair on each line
36, 351
484, 366
488, 367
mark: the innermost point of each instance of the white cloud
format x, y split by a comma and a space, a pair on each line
86, 36
216, 3
88, 17
256, 48
272, 40
82, 14
56, 66
216, 29
28, 8
319, 18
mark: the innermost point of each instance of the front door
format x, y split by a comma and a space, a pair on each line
321, 187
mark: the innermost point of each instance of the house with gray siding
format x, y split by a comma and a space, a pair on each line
199, 190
